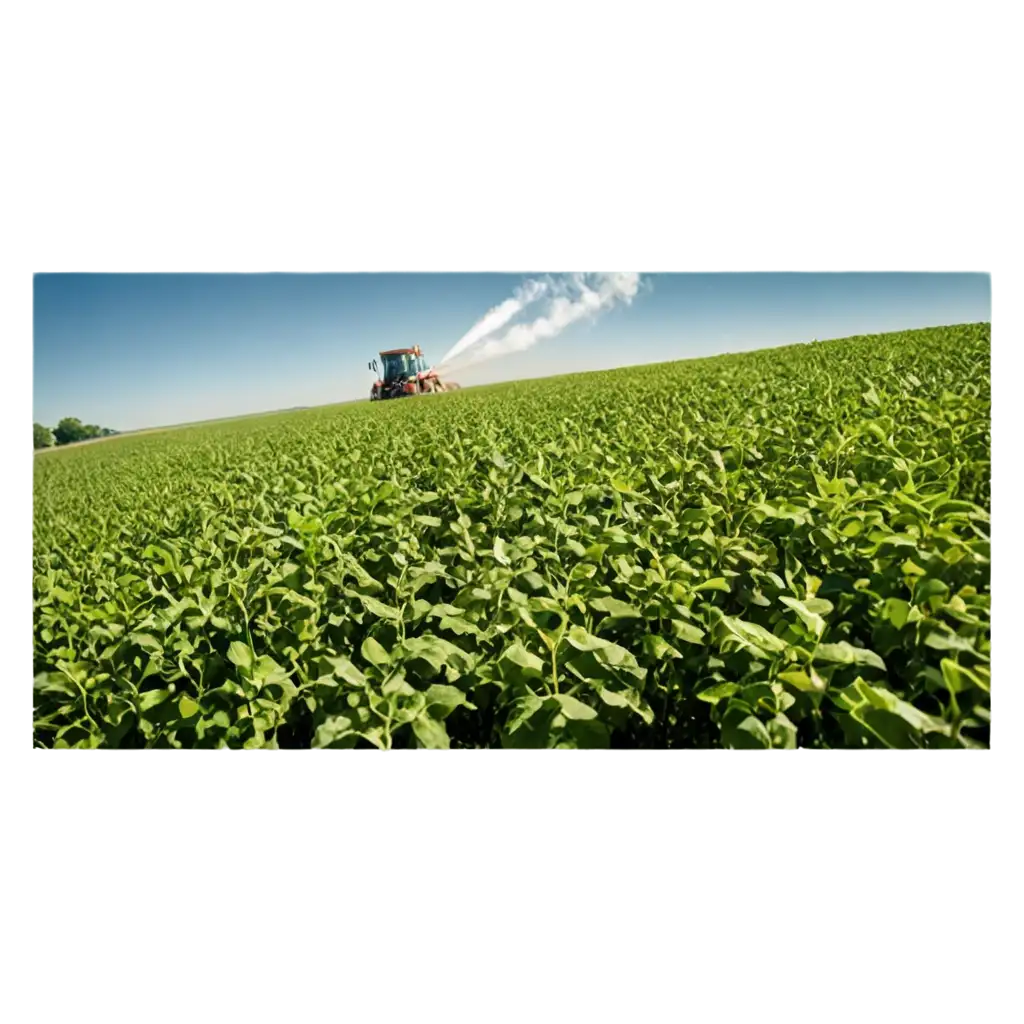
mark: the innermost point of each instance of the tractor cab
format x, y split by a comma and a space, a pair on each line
400, 364
402, 372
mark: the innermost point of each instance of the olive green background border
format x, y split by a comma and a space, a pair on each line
489, 888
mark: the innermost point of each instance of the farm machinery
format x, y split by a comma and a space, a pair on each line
403, 372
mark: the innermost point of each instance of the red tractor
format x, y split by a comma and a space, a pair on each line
405, 373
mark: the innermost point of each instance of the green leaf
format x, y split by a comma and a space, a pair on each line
584, 641
605, 653
950, 642
574, 709
782, 732
659, 648
519, 655
588, 734
458, 625
267, 671
959, 678
523, 710
431, 733
718, 583
499, 552
889, 718
895, 610
852, 528
378, 608
241, 655
627, 698
749, 733
929, 588
814, 622
151, 698
342, 668
720, 691
615, 608
372, 651
533, 580
149, 643
687, 632
808, 682
438, 653
187, 707
446, 698
747, 635
338, 731
844, 653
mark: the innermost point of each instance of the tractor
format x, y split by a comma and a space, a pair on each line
405, 373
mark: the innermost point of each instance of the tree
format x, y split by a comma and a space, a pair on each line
69, 430
43, 436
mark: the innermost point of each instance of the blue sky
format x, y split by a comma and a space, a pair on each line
134, 350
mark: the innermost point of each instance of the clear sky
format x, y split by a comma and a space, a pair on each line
134, 350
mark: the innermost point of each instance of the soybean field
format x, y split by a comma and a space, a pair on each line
776, 549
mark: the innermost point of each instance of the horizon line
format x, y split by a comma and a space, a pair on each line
552, 376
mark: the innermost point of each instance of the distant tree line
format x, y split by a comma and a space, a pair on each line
68, 431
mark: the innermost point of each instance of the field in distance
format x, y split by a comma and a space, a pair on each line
781, 548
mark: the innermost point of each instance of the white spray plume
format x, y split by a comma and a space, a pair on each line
496, 318
575, 296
